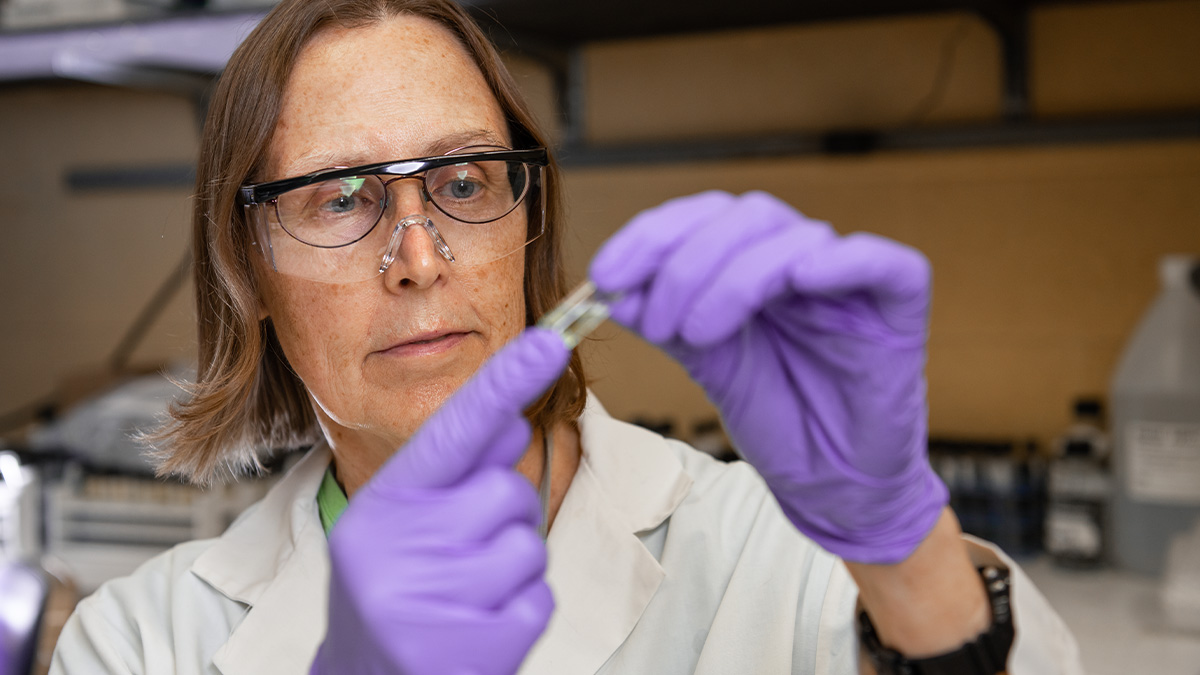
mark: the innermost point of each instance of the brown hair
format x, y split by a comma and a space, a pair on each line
246, 401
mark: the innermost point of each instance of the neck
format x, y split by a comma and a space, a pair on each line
562, 469
353, 466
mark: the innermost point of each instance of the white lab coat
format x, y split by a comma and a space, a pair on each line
661, 560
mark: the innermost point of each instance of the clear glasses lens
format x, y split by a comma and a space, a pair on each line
339, 230
333, 212
477, 192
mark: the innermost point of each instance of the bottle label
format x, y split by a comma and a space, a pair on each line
1073, 531
1164, 462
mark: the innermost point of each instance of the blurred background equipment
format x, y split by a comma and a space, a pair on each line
1156, 422
24, 587
29, 14
23, 595
1078, 490
20, 514
997, 488
708, 435
104, 511
79, 505
1180, 592
101, 431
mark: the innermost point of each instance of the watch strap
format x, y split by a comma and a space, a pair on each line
987, 654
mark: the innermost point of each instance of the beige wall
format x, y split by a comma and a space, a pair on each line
1118, 57
861, 74
77, 267
1044, 257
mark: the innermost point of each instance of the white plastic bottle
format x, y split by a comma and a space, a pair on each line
1156, 423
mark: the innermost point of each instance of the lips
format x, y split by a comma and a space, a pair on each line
425, 343
426, 339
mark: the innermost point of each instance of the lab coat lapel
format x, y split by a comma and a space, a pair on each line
602, 576
276, 560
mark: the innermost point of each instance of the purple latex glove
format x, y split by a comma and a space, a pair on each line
437, 566
811, 345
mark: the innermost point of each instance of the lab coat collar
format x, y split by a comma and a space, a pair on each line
602, 576
275, 560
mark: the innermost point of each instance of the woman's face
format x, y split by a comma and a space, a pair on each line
379, 356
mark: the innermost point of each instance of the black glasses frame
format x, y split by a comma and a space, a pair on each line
265, 193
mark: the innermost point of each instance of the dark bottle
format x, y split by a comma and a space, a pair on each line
1079, 489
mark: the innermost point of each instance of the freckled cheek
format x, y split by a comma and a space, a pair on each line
317, 338
500, 289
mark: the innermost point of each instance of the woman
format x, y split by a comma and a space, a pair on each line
385, 306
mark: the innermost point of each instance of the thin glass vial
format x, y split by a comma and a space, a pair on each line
578, 314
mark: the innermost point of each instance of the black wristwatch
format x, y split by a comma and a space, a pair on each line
987, 654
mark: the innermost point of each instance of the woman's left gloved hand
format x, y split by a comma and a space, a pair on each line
811, 345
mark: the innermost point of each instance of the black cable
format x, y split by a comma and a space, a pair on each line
163, 296
941, 78
45, 405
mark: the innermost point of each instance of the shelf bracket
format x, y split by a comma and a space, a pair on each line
1010, 20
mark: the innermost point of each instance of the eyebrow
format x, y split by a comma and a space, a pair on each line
461, 140
441, 146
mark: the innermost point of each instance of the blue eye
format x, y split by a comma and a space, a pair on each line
459, 183
347, 195
462, 189
341, 204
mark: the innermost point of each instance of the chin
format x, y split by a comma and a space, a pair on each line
398, 412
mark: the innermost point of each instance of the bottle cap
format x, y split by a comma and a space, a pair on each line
1088, 406
1176, 270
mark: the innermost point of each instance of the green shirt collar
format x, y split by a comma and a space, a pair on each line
331, 501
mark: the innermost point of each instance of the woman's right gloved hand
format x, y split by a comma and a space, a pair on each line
436, 564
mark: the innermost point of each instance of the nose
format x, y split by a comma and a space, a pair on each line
406, 194
421, 250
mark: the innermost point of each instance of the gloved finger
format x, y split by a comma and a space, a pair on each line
489, 641
482, 423
630, 257
496, 498
627, 310
530, 608
896, 276
751, 277
483, 575
688, 270
519, 623
473, 510
508, 441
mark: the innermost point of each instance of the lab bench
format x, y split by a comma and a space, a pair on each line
1117, 620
